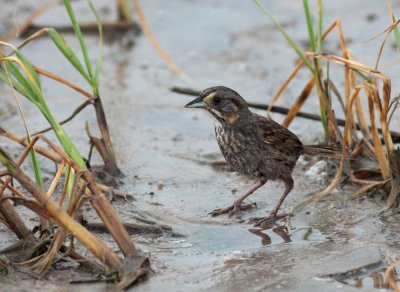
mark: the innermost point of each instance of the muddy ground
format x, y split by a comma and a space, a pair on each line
166, 152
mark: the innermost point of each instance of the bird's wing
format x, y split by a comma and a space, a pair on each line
277, 136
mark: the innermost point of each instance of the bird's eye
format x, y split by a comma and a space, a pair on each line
217, 99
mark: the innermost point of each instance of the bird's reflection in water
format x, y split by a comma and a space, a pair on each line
282, 231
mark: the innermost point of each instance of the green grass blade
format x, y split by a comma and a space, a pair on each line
396, 32
321, 91
320, 26
17, 79
397, 36
99, 61
78, 34
8, 78
30, 82
285, 34
37, 98
30, 68
309, 25
65, 141
362, 75
63, 46
17, 86
36, 167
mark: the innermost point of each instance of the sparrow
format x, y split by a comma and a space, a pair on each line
255, 146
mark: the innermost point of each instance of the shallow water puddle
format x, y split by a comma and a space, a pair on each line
280, 234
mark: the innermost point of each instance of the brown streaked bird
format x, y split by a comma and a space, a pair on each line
254, 145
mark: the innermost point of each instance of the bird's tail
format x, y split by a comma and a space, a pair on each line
323, 150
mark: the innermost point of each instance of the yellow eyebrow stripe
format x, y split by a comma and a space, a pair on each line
210, 96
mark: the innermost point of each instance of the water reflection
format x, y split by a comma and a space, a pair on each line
376, 279
282, 231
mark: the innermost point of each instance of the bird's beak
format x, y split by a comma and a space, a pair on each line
196, 103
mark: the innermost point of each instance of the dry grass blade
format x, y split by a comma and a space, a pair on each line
124, 10
395, 165
93, 244
325, 105
300, 64
285, 84
300, 100
33, 206
361, 120
329, 86
9, 215
338, 176
390, 276
366, 176
22, 140
388, 31
350, 83
45, 206
45, 262
56, 178
371, 92
63, 81
352, 64
367, 188
376, 104
21, 159
394, 106
111, 221
66, 184
14, 221
101, 205
386, 90
13, 190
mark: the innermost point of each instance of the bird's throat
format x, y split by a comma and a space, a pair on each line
231, 119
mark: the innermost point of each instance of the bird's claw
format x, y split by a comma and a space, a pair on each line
234, 208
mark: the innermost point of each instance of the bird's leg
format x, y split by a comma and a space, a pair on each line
266, 222
237, 205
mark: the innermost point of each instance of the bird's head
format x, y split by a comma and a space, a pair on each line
223, 103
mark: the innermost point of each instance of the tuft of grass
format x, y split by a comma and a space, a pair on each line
35, 162
25, 80
21, 75
361, 81
315, 46
310, 25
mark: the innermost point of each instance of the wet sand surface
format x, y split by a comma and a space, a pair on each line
166, 152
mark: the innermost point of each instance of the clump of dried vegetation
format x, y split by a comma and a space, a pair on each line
365, 140
369, 140
58, 203
366, 135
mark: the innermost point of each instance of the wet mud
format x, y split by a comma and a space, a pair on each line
169, 155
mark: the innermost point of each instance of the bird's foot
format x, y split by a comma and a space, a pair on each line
232, 209
268, 222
